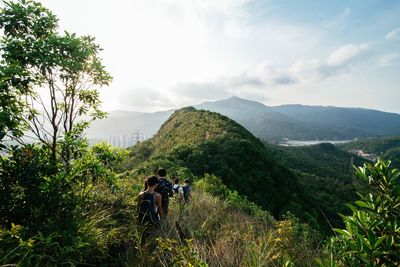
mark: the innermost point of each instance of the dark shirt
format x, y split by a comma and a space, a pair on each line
165, 189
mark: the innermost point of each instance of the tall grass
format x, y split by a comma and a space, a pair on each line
221, 236
213, 232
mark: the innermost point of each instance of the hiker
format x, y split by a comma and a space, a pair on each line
187, 196
149, 204
177, 188
164, 188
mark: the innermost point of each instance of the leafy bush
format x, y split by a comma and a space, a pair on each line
33, 192
58, 207
371, 235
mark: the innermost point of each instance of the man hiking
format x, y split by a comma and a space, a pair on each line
187, 195
177, 188
164, 188
149, 205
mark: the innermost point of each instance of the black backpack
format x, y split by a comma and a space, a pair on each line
147, 214
164, 188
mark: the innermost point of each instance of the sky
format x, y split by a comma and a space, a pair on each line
167, 54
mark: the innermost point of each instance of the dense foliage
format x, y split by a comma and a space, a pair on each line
326, 174
371, 236
46, 188
46, 212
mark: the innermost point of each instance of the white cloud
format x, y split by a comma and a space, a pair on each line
222, 87
259, 80
142, 98
346, 53
393, 35
388, 60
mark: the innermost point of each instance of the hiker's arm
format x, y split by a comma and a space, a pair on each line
159, 206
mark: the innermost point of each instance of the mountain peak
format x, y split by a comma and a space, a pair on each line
190, 126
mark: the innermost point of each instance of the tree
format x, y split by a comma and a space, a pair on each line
51, 78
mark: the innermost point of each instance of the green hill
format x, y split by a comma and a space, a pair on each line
304, 181
326, 173
323, 159
207, 142
385, 147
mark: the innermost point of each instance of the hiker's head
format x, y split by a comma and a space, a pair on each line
176, 181
161, 172
152, 181
187, 181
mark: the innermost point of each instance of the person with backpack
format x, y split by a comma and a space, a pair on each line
164, 188
177, 188
187, 196
149, 205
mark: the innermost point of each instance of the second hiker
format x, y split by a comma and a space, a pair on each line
187, 195
164, 188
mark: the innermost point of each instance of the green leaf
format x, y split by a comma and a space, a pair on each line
363, 204
342, 232
379, 241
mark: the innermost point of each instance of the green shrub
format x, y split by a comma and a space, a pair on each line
371, 236
33, 192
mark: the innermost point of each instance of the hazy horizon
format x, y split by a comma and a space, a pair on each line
196, 104
170, 54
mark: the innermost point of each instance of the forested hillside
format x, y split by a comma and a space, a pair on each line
326, 173
305, 181
387, 148
206, 142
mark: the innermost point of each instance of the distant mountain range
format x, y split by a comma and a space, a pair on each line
272, 124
